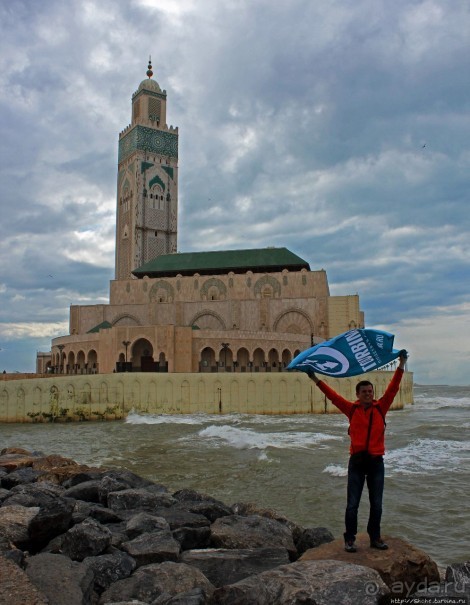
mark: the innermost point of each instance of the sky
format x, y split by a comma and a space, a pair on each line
337, 128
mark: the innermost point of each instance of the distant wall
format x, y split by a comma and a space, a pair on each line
112, 396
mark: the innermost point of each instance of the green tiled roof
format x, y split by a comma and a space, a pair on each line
258, 260
102, 326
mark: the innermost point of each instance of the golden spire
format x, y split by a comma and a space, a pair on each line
149, 69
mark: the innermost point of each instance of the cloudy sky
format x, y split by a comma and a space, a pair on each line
337, 128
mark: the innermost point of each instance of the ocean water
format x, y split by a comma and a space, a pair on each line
296, 465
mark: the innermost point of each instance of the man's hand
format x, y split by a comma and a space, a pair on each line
403, 358
311, 374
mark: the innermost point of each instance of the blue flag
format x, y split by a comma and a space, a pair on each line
349, 354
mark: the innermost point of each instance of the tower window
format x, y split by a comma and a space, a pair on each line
155, 107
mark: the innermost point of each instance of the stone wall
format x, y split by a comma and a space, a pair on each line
112, 396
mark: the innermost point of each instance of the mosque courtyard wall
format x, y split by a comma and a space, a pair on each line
113, 396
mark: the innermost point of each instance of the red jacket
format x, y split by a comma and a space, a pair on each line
359, 416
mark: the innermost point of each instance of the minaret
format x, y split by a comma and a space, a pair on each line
147, 188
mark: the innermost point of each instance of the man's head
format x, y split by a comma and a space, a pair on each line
365, 392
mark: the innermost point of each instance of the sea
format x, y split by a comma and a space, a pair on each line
295, 465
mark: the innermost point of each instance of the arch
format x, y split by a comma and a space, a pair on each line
208, 320
286, 357
225, 358
80, 362
207, 357
243, 358
92, 361
142, 355
71, 363
125, 319
258, 358
213, 289
267, 286
161, 291
273, 358
294, 321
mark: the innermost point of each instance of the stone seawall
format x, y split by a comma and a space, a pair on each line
112, 396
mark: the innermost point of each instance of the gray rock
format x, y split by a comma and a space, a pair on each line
144, 522
251, 532
82, 477
109, 568
86, 490
15, 521
87, 539
210, 510
154, 547
150, 582
245, 509
458, 573
104, 515
196, 596
190, 495
307, 583
312, 537
192, 537
81, 510
16, 588
20, 477
176, 517
4, 493
62, 581
227, 566
138, 499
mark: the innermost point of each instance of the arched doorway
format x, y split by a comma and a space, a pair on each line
142, 356
208, 360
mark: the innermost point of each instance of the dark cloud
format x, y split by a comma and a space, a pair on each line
338, 130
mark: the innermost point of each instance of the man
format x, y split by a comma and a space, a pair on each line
367, 431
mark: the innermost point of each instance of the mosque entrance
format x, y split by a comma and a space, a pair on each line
142, 356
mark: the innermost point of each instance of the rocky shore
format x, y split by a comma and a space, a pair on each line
76, 535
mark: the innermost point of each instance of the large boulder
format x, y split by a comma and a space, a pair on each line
401, 565
307, 582
109, 568
226, 566
152, 581
16, 588
86, 490
138, 499
235, 531
87, 539
62, 581
54, 515
154, 547
312, 537
15, 521
145, 522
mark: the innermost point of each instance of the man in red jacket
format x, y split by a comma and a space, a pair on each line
367, 431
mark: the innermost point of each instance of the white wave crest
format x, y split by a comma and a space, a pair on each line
428, 456
336, 470
249, 439
141, 418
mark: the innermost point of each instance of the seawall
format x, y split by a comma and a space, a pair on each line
113, 396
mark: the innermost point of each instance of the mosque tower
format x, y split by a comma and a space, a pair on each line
147, 187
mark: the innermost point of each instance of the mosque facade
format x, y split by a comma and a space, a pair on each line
216, 311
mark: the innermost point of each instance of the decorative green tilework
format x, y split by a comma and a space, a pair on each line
169, 171
145, 166
157, 181
150, 140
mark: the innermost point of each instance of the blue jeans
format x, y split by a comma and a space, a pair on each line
364, 467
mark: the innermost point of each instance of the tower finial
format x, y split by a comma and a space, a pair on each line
149, 70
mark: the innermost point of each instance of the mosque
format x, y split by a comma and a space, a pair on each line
236, 311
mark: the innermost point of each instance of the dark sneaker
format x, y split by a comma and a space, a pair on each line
379, 544
349, 546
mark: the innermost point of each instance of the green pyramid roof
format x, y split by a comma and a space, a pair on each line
258, 260
102, 326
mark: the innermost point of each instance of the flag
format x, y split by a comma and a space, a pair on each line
349, 354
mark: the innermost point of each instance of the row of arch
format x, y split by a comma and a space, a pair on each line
241, 359
141, 355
